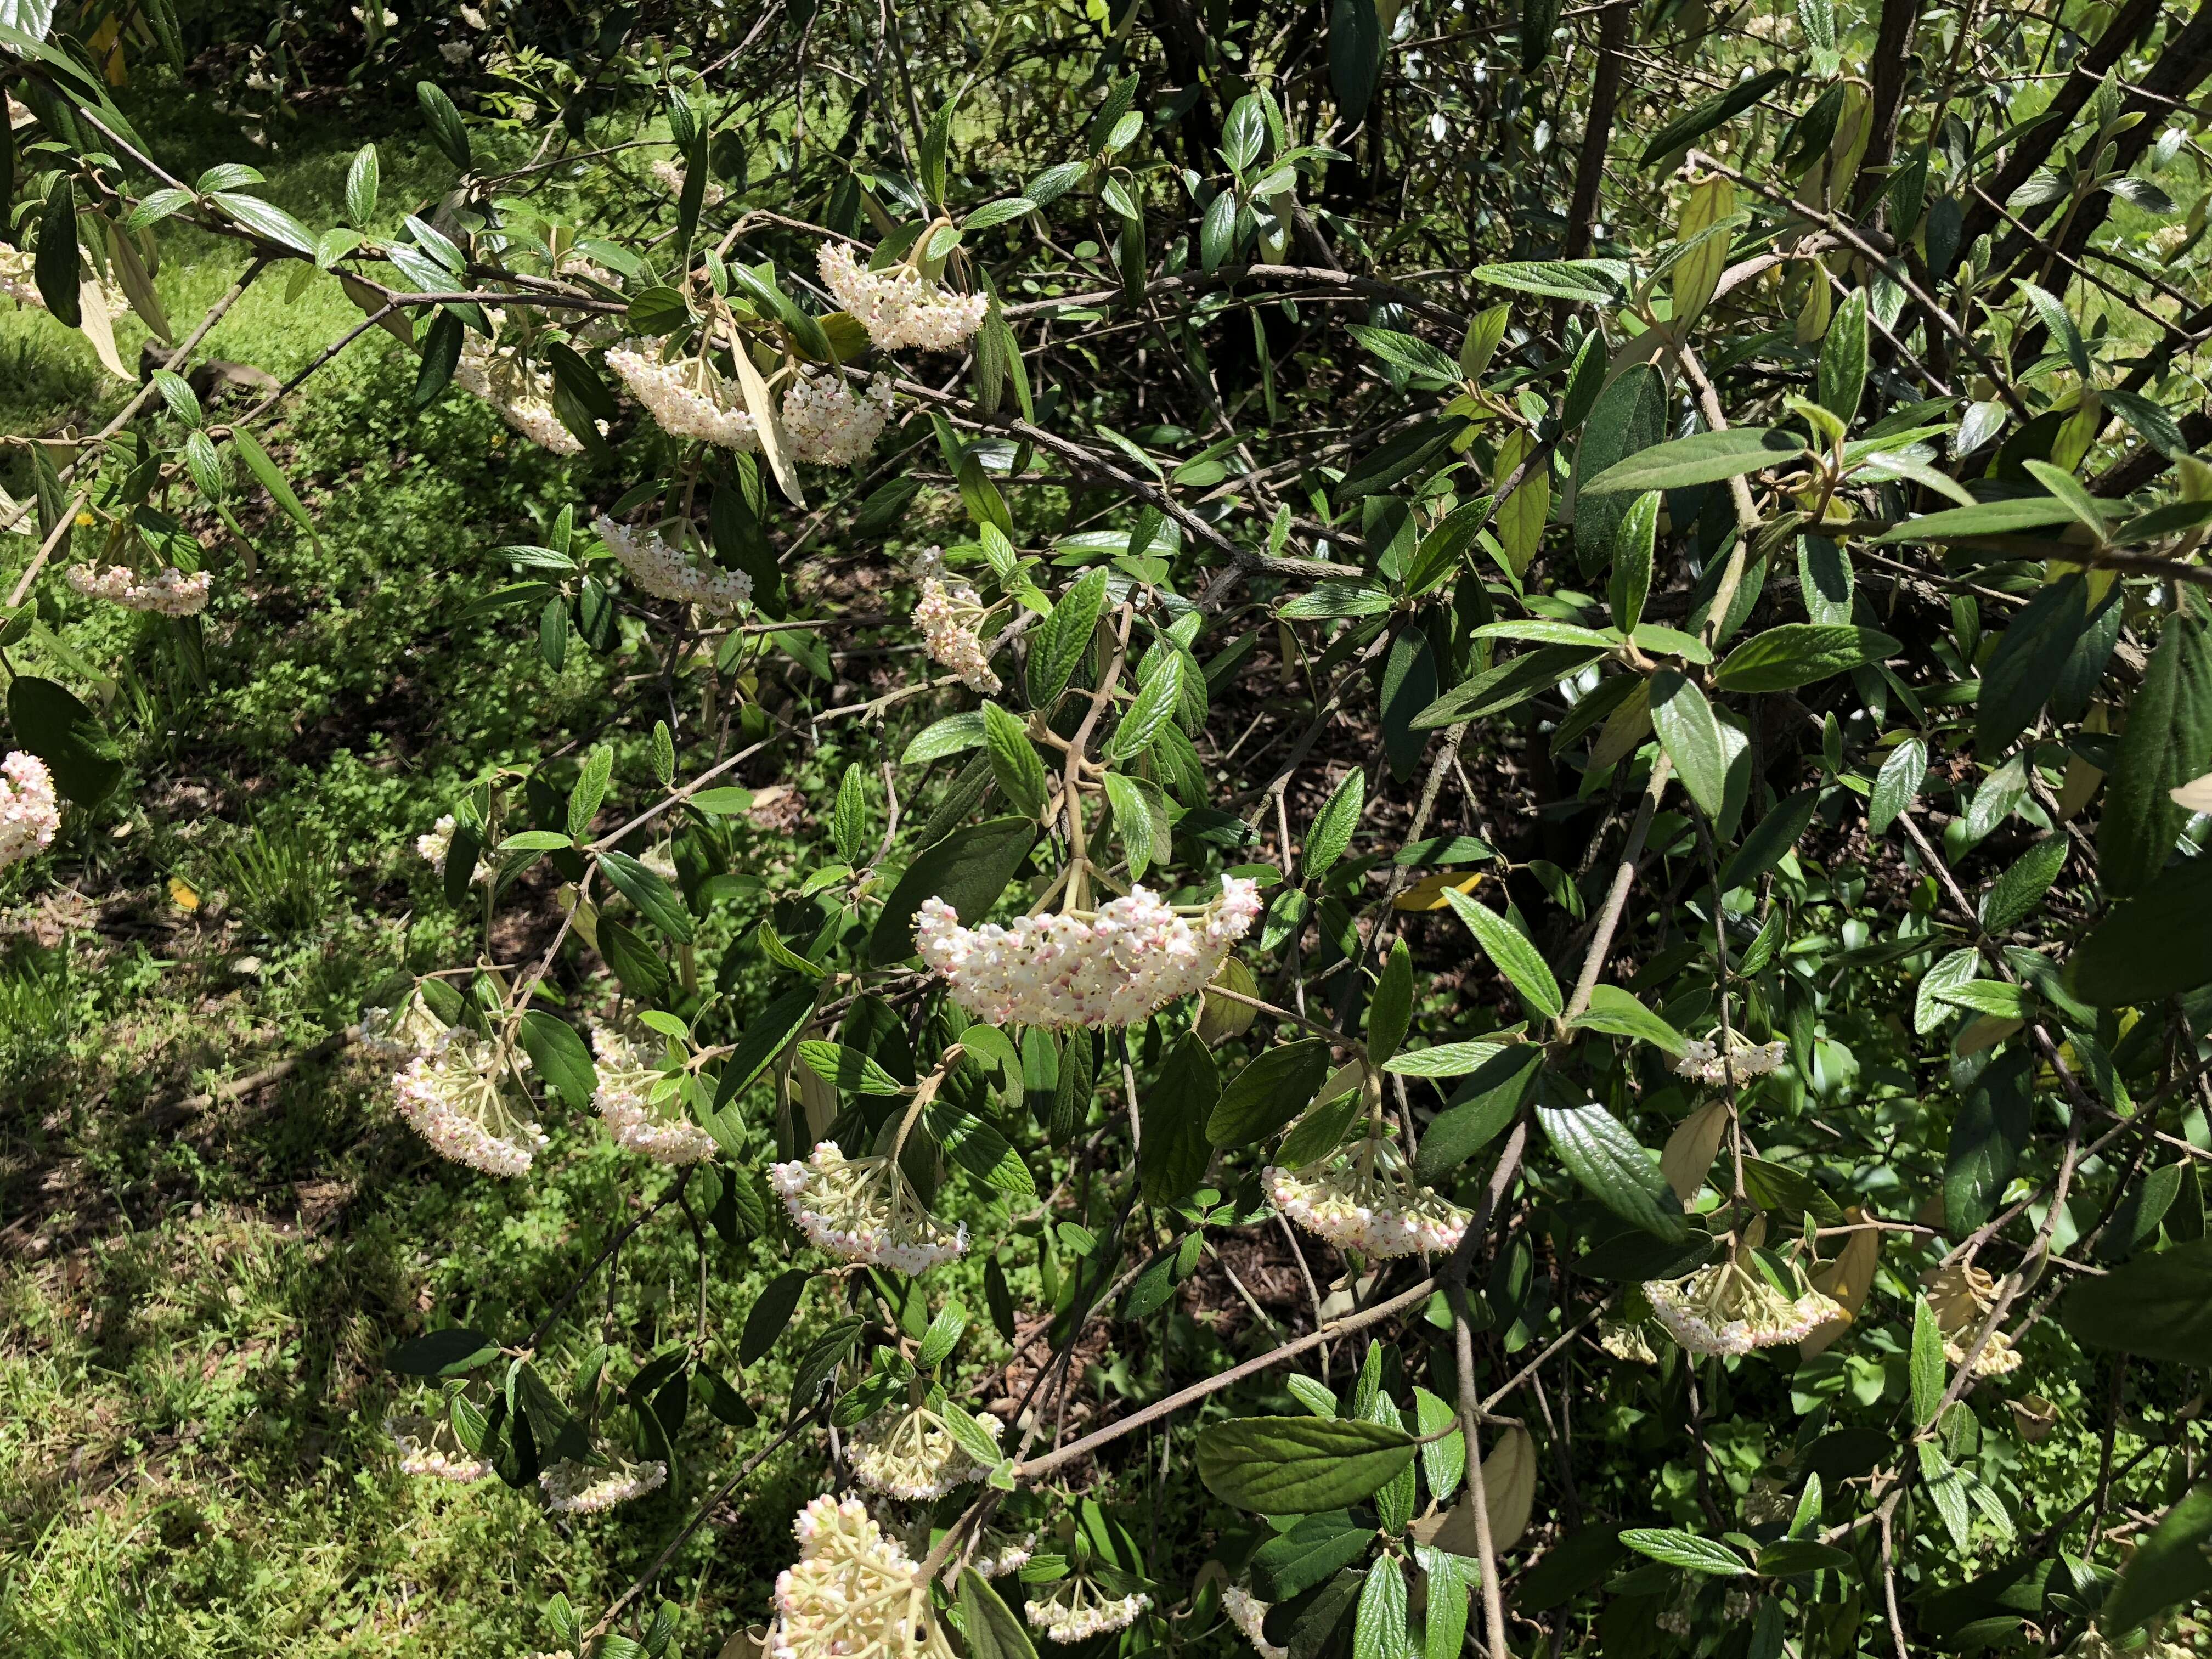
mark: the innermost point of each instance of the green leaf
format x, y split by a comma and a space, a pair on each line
590, 788
949, 736
1897, 784
1789, 1193
55, 265
1405, 351
655, 899
1928, 1371
1330, 833
2170, 1567
1291, 1562
441, 1354
1378, 1629
1268, 1093
1989, 1131
1154, 705
819, 1359
2003, 518
1487, 1103
2151, 947
1500, 687
2052, 312
1175, 1150
559, 1055
445, 123
1773, 835
1627, 417
848, 1070
988, 1624
978, 1148
642, 973
1703, 117
1617, 1013
1691, 735
1701, 458
1947, 1488
1990, 996
1786, 1558
48, 720
762, 1038
2168, 742
969, 869
1798, 653
1445, 1060
1015, 761
1607, 1160
771, 1313
1057, 647
1511, 952
1586, 282
267, 219
1391, 1010
273, 480
1685, 1550
1299, 1465
2157, 1306
1841, 378
1630, 581
361, 186
2021, 887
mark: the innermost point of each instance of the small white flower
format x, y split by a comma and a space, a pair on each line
667, 571
1745, 1059
1960, 1296
640, 1106
950, 615
168, 591
900, 306
1726, 1308
1361, 1197
853, 1594
29, 814
864, 1209
829, 424
435, 847
522, 395
574, 1488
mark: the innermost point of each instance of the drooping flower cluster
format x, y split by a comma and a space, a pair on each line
1623, 1339
900, 306
1003, 1553
853, 1594
864, 1209
686, 398
574, 1488
950, 615
169, 591
1961, 1295
1118, 965
910, 1453
1249, 1614
1703, 1061
668, 572
1361, 1197
1073, 1610
398, 1035
1728, 1309
436, 846
640, 1104
669, 173
455, 1098
427, 1446
29, 814
1768, 1503
832, 425
521, 394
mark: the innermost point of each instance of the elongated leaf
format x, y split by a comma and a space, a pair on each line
1607, 1159
1627, 418
1691, 735
847, 1069
2170, 1567
1311, 1552
1511, 952
1057, 647
1897, 784
1587, 281
771, 1313
1798, 653
558, 1055
992, 1629
1015, 761
1685, 1550
1178, 1107
1500, 687
1617, 1013
1773, 835
2157, 1306
1702, 457
2004, 518
2168, 742
1332, 829
650, 893
47, 719
949, 736
1299, 1465
1702, 119
2152, 946
1268, 1093
441, 1354
969, 869
1480, 1113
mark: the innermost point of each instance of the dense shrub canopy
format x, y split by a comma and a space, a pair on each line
1359, 829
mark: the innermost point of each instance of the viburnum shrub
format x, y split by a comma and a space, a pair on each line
1549, 668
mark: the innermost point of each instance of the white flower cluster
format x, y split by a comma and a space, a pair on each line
1006, 1553
169, 591
574, 1488
398, 1035
504, 377
421, 1451
831, 425
1768, 1503
435, 847
668, 572
642, 1117
1726, 1308
686, 400
1361, 1197
864, 1209
1249, 1614
1745, 1059
1114, 967
1623, 1339
1960, 1296
1072, 1611
670, 173
911, 1454
452, 1097
29, 815
948, 615
900, 306
853, 1594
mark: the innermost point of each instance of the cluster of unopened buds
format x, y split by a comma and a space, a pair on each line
853, 1594
950, 615
1361, 1197
864, 1209
1728, 1309
168, 592
686, 398
1718, 1062
434, 847
910, 1453
398, 1035
899, 306
574, 1488
29, 814
828, 423
427, 1446
1073, 1610
1249, 1614
1623, 1339
1961, 1295
518, 392
454, 1097
1768, 1503
641, 1105
667, 571
1001, 1554
1119, 964
670, 174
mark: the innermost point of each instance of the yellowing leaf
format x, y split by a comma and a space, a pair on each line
1428, 893
1690, 1151
1509, 1486
1521, 515
1700, 272
1846, 1279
